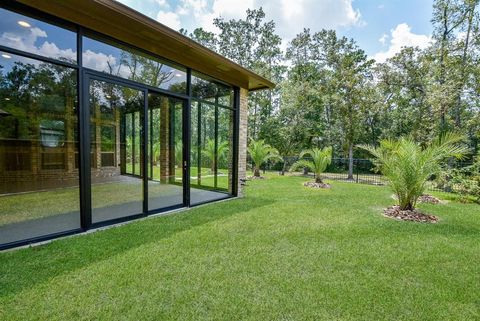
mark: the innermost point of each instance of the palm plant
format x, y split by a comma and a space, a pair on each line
260, 152
209, 152
408, 167
320, 159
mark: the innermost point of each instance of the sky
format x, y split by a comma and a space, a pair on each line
380, 27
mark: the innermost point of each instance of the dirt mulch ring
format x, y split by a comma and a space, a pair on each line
426, 198
255, 177
415, 215
316, 185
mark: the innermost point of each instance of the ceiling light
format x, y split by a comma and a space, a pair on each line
108, 96
6, 56
24, 24
178, 75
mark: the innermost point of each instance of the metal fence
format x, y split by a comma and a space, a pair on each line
363, 171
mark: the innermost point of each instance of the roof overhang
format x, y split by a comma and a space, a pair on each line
123, 23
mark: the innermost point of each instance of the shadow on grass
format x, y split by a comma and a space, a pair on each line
27, 267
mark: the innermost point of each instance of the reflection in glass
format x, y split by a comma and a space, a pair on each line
225, 149
37, 37
117, 188
206, 88
211, 152
165, 188
131, 64
39, 192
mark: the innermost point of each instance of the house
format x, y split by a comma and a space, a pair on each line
107, 115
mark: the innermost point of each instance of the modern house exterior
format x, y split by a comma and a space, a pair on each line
107, 115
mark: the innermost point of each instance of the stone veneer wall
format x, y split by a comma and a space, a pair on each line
242, 140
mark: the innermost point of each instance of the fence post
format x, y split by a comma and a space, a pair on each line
356, 167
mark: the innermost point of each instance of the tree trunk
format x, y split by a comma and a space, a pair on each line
305, 171
284, 168
256, 171
350, 161
458, 107
408, 207
318, 179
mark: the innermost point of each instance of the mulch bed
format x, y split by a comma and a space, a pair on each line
415, 215
428, 199
255, 177
316, 185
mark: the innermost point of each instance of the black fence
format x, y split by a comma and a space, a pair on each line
363, 171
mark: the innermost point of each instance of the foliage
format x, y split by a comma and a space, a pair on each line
318, 162
464, 181
260, 152
210, 152
407, 166
332, 94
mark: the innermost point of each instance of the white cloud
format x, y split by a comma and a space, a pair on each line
383, 39
26, 41
292, 16
313, 14
400, 37
99, 61
170, 19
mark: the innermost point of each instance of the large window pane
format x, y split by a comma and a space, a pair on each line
134, 65
35, 36
165, 188
206, 88
116, 118
211, 152
225, 149
39, 182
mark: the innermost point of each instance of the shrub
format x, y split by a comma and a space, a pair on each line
407, 166
260, 152
320, 159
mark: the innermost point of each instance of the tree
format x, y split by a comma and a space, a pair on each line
253, 43
404, 86
407, 166
452, 54
205, 38
213, 154
320, 159
349, 72
260, 152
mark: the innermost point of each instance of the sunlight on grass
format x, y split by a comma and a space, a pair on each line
285, 252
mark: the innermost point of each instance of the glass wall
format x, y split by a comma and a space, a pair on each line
39, 183
41, 138
116, 116
37, 37
117, 60
211, 153
165, 146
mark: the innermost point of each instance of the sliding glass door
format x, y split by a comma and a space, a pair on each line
131, 136
165, 148
116, 127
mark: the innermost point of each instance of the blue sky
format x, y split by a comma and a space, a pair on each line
380, 27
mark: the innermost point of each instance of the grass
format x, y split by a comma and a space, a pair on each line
285, 252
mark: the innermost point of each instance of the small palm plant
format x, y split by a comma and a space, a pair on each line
209, 152
408, 167
320, 159
260, 152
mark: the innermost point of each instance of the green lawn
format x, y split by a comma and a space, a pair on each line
284, 252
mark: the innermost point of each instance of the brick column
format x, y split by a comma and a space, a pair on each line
242, 139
